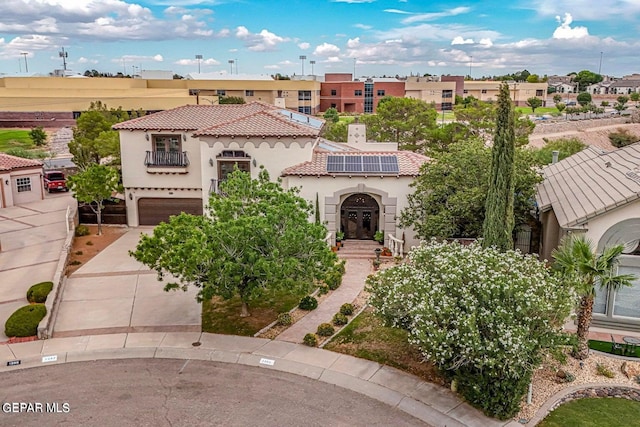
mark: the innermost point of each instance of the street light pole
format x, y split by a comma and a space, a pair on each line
312, 62
470, 64
198, 57
26, 66
64, 55
231, 66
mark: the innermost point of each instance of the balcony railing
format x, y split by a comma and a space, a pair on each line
215, 187
166, 159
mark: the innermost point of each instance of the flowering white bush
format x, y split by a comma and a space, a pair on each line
475, 310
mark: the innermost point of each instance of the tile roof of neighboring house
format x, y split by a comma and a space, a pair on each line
409, 164
590, 183
8, 162
626, 83
253, 119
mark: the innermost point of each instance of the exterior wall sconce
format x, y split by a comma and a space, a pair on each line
254, 163
184, 137
6, 181
130, 196
146, 136
211, 162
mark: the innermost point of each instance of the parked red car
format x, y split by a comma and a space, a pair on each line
54, 181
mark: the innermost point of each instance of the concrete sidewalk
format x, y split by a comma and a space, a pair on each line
114, 293
31, 236
430, 403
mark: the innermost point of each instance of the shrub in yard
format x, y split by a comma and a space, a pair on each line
79, 252
325, 330
24, 321
622, 138
89, 243
38, 292
485, 317
311, 340
333, 280
604, 371
346, 309
340, 319
82, 230
323, 290
284, 319
308, 303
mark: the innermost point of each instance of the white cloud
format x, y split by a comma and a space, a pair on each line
158, 58
353, 43
420, 17
363, 26
459, 40
564, 31
398, 11
272, 67
326, 49
485, 42
304, 45
353, 1
259, 42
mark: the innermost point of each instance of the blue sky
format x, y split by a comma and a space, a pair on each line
378, 37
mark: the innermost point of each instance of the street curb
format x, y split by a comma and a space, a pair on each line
361, 376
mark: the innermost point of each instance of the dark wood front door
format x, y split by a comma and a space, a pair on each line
359, 217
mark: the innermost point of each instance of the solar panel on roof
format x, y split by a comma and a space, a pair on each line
301, 118
389, 164
362, 164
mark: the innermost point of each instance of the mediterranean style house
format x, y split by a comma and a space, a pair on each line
20, 180
173, 160
598, 193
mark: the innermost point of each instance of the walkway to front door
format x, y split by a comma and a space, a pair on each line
359, 216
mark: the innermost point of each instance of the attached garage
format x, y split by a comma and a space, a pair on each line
152, 211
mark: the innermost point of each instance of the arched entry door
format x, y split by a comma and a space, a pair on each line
359, 216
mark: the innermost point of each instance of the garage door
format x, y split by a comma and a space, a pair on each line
152, 211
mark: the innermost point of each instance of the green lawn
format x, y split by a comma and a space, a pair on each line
366, 337
539, 110
15, 139
223, 316
594, 412
605, 347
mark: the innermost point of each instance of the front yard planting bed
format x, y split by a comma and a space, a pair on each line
366, 337
221, 316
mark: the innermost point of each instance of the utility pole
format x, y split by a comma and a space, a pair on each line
26, 66
600, 66
64, 55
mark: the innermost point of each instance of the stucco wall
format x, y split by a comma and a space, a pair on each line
599, 225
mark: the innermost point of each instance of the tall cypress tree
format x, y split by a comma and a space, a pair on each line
499, 220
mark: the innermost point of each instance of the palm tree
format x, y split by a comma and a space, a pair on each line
583, 269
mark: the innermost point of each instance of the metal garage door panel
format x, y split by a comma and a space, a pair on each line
152, 211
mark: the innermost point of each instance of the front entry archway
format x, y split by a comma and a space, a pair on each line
359, 216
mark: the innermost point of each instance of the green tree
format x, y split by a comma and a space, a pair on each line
38, 136
93, 138
449, 195
337, 132
256, 237
499, 219
231, 100
557, 98
582, 270
565, 147
635, 97
331, 115
93, 186
406, 121
585, 78
533, 78
621, 103
534, 103
584, 98
485, 318
561, 106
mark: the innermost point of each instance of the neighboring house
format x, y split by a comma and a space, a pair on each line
173, 160
20, 180
625, 87
598, 193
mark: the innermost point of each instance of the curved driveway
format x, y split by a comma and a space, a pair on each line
170, 392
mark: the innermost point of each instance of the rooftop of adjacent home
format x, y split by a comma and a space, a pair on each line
590, 183
8, 162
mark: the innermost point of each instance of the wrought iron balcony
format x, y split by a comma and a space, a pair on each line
166, 159
215, 187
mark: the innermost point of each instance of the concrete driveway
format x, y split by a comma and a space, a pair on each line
113, 293
32, 236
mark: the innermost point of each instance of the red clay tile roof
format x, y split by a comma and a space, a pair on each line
253, 119
8, 162
409, 164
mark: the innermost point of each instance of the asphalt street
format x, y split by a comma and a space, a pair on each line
169, 392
